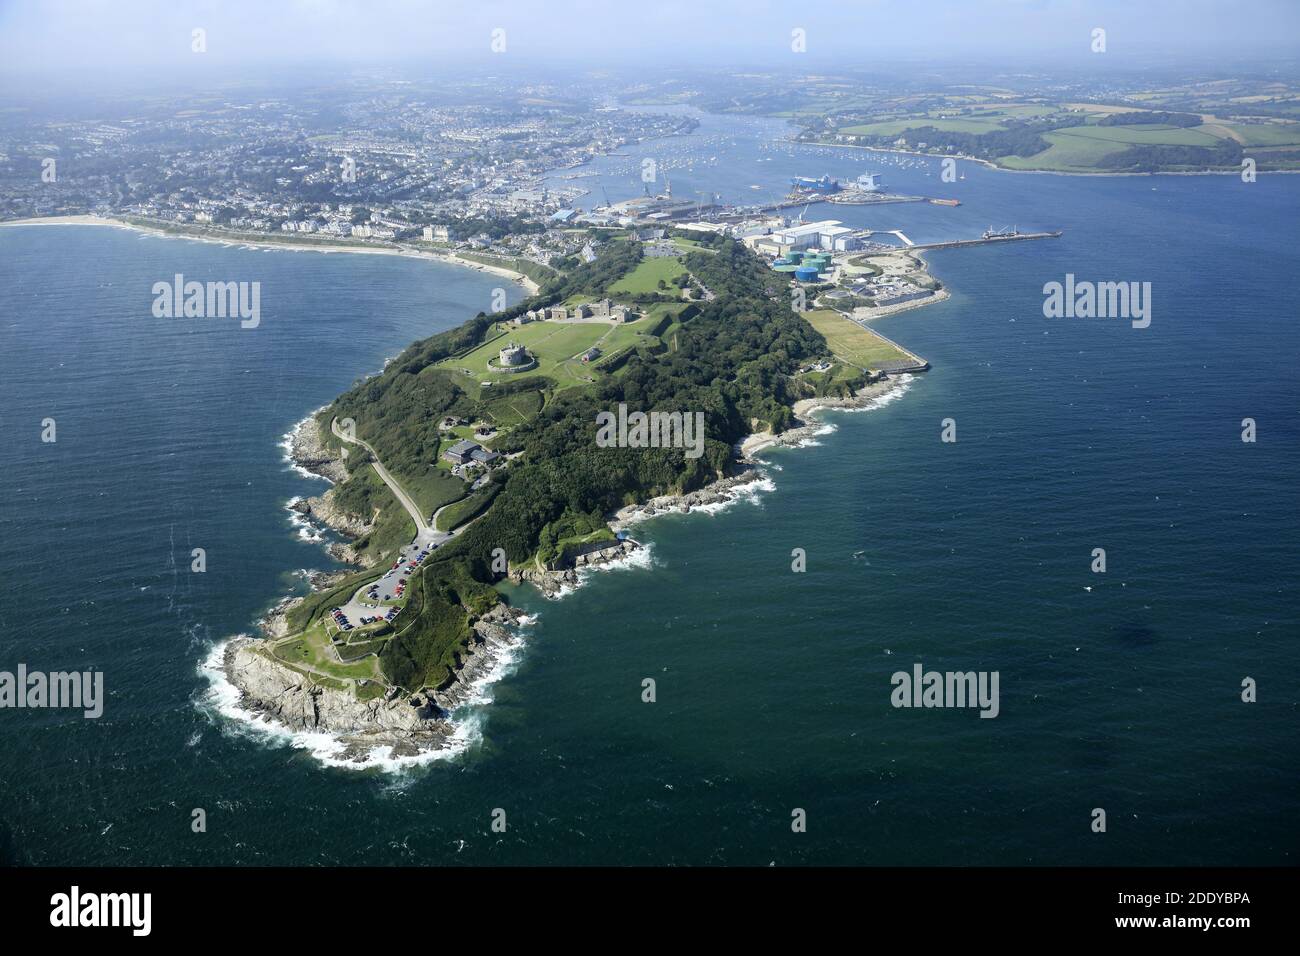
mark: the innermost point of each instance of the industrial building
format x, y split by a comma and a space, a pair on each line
827, 234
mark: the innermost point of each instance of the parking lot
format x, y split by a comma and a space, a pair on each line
366, 604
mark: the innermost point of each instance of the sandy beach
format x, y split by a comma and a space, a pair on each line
528, 284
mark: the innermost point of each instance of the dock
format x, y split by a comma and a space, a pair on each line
961, 243
857, 198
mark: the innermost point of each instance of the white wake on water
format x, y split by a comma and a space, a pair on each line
224, 700
223, 703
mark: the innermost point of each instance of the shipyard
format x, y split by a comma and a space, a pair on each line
859, 272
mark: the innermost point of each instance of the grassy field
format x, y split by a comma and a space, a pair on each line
510, 410
431, 490
1265, 134
1017, 110
895, 127
689, 245
311, 649
1142, 134
556, 346
464, 510
1083, 148
645, 277
850, 342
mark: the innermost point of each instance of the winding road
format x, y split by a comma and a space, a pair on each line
399, 493
427, 537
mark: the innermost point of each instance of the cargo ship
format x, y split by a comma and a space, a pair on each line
822, 185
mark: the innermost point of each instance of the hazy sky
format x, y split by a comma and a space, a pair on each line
115, 37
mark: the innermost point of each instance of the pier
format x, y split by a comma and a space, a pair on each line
961, 243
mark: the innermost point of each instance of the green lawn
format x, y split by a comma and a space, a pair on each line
689, 245
556, 346
510, 410
850, 342
645, 277
553, 344
311, 649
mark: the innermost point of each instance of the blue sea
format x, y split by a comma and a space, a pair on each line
1118, 690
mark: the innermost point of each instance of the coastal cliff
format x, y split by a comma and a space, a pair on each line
408, 723
309, 451
553, 583
716, 493
299, 703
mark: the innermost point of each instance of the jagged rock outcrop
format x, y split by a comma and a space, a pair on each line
323, 509
718, 492
308, 450
551, 583
409, 723
298, 702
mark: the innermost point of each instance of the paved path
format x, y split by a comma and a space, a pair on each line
427, 538
407, 502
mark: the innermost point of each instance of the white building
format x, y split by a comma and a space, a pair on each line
821, 234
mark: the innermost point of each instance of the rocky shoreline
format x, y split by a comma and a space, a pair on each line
308, 450
555, 583
720, 492
407, 724
411, 724
807, 426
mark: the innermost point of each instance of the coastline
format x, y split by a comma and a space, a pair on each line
529, 285
1043, 172
391, 732
808, 426
395, 731
399, 730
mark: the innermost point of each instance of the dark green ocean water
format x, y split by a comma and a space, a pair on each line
773, 687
